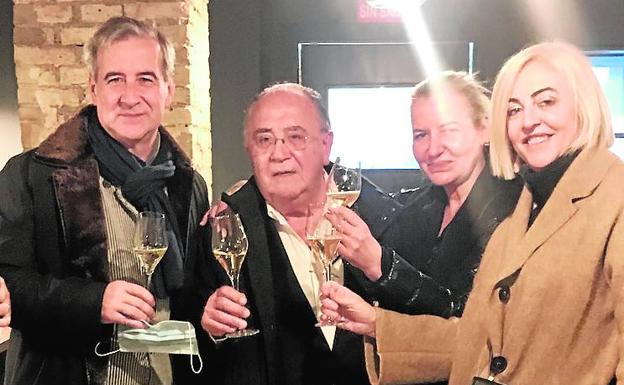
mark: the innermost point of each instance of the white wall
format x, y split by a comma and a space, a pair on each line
10, 142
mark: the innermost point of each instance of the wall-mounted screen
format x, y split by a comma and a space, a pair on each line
372, 125
609, 69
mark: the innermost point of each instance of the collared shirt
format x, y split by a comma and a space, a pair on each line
308, 270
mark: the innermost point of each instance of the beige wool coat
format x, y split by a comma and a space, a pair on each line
548, 302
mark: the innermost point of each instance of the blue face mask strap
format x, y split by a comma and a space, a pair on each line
95, 350
201, 363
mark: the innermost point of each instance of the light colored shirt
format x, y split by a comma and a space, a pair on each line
308, 270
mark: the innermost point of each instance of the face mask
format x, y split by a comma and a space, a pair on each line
171, 337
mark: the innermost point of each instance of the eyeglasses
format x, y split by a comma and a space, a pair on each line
294, 137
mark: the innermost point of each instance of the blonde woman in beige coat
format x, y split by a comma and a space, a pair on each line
547, 304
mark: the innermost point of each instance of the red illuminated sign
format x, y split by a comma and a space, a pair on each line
373, 11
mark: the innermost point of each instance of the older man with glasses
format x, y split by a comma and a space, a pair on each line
288, 138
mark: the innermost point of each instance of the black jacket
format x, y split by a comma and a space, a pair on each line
289, 350
54, 256
423, 273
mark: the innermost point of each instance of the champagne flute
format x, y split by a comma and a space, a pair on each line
323, 239
150, 241
229, 246
345, 185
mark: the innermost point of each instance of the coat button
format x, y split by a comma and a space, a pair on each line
503, 294
498, 364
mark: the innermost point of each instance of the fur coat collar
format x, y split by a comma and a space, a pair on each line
76, 184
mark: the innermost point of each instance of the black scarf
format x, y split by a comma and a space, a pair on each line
144, 187
542, 183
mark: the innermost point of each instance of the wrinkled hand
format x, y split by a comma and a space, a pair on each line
225, 312
220, 206
216, 208
128, 304
352, 313
5, 304
357, 244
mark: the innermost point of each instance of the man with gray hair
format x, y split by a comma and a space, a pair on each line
67, 216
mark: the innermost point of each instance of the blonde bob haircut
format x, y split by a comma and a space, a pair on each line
592, 111
121, 28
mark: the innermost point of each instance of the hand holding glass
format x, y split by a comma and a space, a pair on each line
229, 246
150, 241
344, 186
323, 239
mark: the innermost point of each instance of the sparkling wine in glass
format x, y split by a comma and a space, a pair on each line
344, 186
229, 246
323, 239
150, 241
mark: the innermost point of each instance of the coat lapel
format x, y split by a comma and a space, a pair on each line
260, 276
76, 187
247, 203
78, 195
251, 207
577, 183
522, 243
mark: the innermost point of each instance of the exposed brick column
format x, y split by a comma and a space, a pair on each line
52, 78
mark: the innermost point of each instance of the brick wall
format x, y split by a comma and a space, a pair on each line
52, 78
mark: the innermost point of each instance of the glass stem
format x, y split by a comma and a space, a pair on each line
235, 281
328, 272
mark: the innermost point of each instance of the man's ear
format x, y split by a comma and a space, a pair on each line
91, 89
328, 140
170, 92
